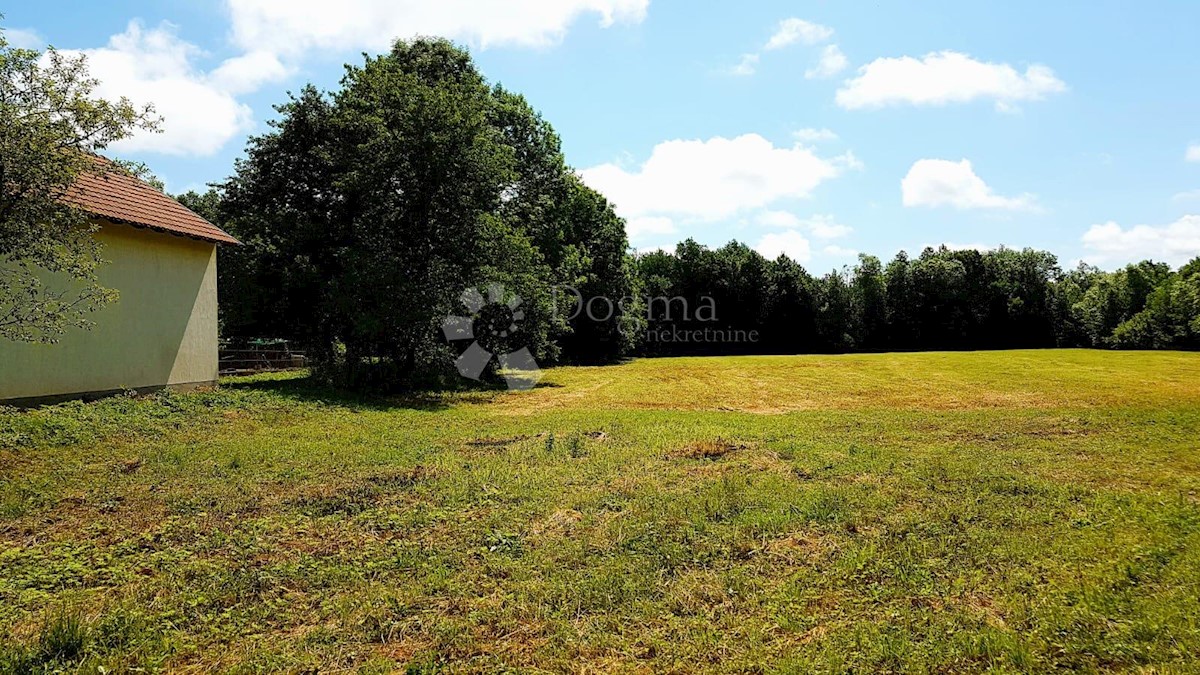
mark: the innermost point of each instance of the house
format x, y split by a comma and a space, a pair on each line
161, 332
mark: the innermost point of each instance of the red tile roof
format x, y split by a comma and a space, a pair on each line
117, 196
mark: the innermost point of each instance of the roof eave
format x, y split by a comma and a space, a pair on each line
229, 239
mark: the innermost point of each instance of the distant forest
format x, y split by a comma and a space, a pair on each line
366, 211
939, 300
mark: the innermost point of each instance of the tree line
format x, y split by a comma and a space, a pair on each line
940, 300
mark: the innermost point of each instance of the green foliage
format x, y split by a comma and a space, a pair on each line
941, 300
1098, 303
367, 212
64, 637
1170, 317
61, 641
118, 641
869, 297
51, 125
595, 261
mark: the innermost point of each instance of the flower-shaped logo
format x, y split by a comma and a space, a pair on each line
493, 318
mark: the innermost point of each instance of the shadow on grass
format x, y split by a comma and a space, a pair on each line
306, 389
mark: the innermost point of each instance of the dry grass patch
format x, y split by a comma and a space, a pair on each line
706, 449
561, 523
945, 381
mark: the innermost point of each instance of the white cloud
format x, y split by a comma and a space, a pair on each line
820, 226
1193, 153
940, 182
655, 249
791, 31
825, 227
246, 73
1186, 196
200, 111
945, 77
705, 181
23, 38
296, 26
811, 135
832, 62
834, 251
638, 227
746, 66
791, 243
1176, 243
781, 219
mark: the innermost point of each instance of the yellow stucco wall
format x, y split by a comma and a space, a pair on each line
162, 330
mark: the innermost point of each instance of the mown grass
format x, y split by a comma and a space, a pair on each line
1005, 511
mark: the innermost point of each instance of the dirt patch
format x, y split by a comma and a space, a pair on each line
406, 649
331, 500
710, 450
813, 634
361, 493
500, 442
984, 607
557, 524
1059, 433
12, 459
797, 547
402, 478
130, 465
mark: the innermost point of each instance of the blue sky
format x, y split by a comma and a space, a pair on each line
816, 128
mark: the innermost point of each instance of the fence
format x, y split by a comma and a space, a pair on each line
256, 356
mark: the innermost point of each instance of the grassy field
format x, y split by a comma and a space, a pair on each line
1004, 511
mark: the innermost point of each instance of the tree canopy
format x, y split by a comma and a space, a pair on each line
366, 212
941, 300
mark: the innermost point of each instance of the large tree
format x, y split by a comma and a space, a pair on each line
869, 295
51, 127
372, 206
367, 212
